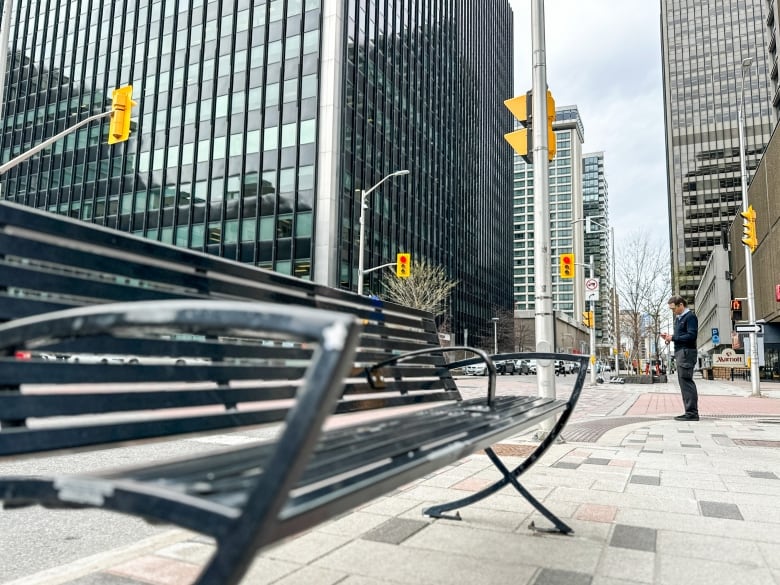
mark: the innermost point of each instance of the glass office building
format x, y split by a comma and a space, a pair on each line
704, 45
258, 122
595, 204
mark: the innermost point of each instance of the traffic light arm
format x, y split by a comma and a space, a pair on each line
49, 141
388, 265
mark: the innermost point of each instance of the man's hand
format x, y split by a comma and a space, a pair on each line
666, 337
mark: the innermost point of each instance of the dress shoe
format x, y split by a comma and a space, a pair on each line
687, 417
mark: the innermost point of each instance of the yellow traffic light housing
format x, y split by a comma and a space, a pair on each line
403, 265
587, 318
566, 266
749, 228
121, 105
551, 146
521, 140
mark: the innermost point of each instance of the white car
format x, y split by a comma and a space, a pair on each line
479, 369
96, 358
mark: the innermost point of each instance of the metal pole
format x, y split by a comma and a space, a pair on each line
615, 311
543, 305
495, 335
751, 297
25, 155
363, 205
592, 308
363, 195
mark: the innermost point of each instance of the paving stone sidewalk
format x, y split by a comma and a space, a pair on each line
651, 500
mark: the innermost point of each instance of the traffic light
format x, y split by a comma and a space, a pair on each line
587, 318
521, 140
551, 146
121, 105
736, 310
566, 266
749, 228
403, 265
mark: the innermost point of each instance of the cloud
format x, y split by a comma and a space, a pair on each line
604, 56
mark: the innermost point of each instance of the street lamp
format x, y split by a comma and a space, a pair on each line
751, 297
363, 205
495, 335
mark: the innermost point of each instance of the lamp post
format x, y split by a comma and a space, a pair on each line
616, 314
616, 317
751, 297
495, 335
592, 333
364, 193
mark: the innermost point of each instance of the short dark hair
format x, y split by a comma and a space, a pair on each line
676, 300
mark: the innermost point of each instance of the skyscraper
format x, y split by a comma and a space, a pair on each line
704, 45
258, 122
595, 203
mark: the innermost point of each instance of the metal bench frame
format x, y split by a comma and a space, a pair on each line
247, 497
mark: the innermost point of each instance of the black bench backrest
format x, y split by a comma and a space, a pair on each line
50, 262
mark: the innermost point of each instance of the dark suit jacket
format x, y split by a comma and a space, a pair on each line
686, 329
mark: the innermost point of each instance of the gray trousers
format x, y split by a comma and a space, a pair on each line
686, 360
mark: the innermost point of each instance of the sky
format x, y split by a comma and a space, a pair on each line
604, 56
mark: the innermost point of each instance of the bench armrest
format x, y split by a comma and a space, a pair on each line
372, 373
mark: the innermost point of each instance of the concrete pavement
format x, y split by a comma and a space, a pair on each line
651, 500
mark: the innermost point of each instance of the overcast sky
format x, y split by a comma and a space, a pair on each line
604, 56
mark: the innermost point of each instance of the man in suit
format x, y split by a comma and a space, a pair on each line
686, 328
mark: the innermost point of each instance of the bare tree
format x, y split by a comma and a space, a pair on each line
525, 333
427, 288
644, 287
504, 333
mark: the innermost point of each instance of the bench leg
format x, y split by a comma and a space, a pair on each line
509, 478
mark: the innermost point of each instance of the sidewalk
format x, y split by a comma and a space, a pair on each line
651, 500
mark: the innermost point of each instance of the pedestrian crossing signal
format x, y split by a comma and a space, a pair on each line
403, 268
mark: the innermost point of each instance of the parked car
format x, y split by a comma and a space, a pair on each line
479, 369
532, 367
31, 355
505, 367
522, 367
94, 358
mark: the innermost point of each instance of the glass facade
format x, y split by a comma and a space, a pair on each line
565, 193
704, 44
253, 131
595, 203
223, 151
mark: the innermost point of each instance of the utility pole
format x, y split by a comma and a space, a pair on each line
751, 296
543, 305
592, 309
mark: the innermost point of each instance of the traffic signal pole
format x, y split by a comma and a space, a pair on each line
751, 296
543, 306
592, 309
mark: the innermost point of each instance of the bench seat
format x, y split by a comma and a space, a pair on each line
358, 392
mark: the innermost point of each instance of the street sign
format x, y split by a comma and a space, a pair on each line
749, 328
591, 289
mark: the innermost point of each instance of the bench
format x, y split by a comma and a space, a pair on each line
358, 391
